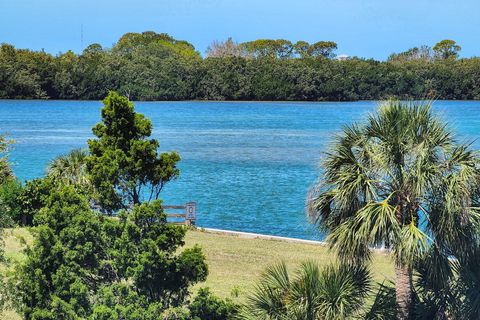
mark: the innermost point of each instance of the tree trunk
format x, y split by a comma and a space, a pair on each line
135, 196
403, 289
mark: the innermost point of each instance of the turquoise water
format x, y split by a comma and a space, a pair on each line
247, 164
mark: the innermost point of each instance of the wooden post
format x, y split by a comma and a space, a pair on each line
189, 212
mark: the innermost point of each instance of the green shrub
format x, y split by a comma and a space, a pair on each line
93, 267
31, 199
206, 306
10, 208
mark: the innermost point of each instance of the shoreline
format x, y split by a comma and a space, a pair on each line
242, 101
251, 235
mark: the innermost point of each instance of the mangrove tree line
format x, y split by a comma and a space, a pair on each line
153, 66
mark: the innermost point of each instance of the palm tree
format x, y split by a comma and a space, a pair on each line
337, 292
448, 288
69, 169
402, 182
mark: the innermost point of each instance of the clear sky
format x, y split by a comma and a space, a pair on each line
366, 28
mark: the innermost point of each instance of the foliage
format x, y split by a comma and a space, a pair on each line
416, 53
447, 49
399, 181
62, 266
120, 301
437, 287
20, 204
155, 66
69, 169
9, 189
83, 265
322, 49
336, 292
32, 198
124, 164
301, 48
9, 203
146, 251
207, 306
6, 172
448, 288
384, 304
268, 48
130, 42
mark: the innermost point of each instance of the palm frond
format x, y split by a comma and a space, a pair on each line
336, 292
384, 306
69, 169
412, 245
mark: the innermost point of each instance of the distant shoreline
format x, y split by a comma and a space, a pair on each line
243, 101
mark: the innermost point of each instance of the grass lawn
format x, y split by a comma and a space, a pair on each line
13, 253
234, 262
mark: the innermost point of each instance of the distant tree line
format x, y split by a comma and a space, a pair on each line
152, 66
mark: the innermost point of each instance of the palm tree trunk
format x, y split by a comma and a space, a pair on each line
403, 289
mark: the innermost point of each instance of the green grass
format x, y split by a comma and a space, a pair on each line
13, 240
234, 262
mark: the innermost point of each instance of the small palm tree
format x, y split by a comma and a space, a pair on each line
334, 293
69, 169
399, 181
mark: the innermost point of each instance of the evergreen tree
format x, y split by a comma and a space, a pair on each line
86, 266
124, 165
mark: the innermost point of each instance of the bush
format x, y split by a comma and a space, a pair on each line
206, 306
90, 266
9, 203
31, 199
176, 314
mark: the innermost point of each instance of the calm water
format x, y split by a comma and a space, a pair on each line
248, 165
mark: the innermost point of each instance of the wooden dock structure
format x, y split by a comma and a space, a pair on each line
187, 213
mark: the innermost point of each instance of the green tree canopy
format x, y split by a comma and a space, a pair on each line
124, 165
301, 48
86, 266
155, 66
447, 49
9, 188
6, 172
323, 49
131, 42
269, 48
63, 265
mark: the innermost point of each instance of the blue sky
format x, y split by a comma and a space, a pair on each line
367, 28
